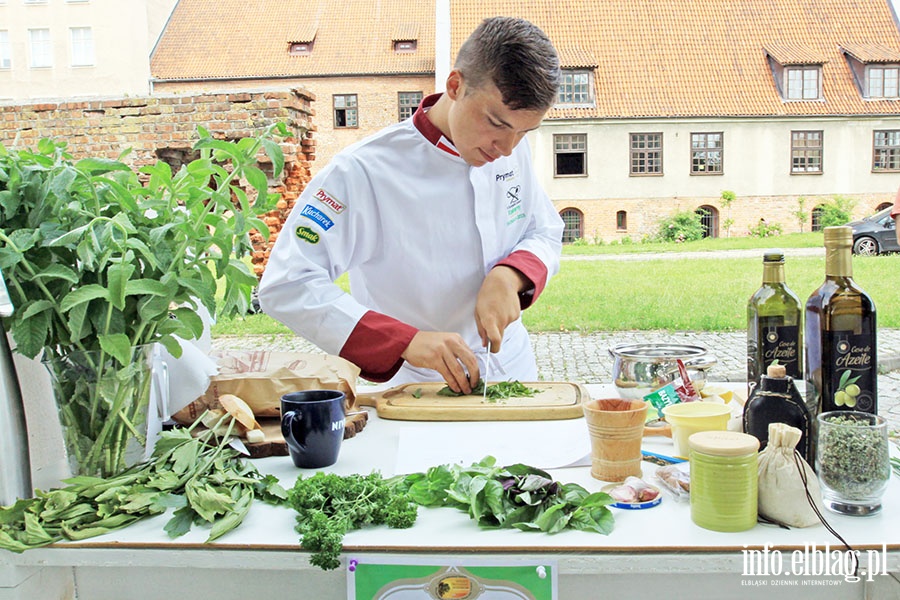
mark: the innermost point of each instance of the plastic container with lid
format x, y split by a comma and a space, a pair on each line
723, 480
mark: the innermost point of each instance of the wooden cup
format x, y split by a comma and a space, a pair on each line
616, 428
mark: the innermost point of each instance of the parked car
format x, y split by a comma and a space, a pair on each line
875, 234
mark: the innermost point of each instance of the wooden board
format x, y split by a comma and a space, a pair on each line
420, 402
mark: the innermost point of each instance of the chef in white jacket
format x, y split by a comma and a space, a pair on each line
440, 222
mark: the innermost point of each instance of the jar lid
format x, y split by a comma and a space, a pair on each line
723, 443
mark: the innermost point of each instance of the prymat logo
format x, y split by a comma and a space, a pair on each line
329, 201
812, 566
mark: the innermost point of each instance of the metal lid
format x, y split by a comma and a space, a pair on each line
667, 351
773, 255
723, 443
841, 234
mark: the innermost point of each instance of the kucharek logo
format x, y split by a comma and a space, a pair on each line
809, 566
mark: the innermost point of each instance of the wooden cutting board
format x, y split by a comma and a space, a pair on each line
421, 402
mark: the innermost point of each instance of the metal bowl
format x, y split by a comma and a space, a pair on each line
638, 369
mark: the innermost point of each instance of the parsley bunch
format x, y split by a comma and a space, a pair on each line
330, 505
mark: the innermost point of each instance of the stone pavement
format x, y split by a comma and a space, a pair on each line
585, 358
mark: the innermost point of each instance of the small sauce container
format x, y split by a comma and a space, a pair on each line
723, 480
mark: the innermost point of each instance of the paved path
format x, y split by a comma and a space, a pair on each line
585, 358
746, 253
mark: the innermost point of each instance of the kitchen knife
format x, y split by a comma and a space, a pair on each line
487, 361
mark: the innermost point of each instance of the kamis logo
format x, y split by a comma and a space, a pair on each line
307, 235
329, 201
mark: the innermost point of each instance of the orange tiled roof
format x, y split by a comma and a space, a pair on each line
673, 58
237, 39
685, 58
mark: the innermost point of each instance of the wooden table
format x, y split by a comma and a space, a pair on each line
653, 552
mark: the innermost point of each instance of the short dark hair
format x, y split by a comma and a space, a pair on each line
517, 57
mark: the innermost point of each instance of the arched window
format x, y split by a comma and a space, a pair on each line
709, 217
817, 218
574, 222
621, 221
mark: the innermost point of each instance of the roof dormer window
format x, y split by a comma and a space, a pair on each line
301, 48
875, 68
405, 46
797, 71
302, 41
405, 38
882, 81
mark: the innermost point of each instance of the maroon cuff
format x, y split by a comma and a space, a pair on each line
534, 270
375, 345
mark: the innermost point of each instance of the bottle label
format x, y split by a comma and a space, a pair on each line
851, 371
781, 343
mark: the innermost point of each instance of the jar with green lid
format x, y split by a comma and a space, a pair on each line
723, 480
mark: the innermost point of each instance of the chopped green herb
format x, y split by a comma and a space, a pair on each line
496, 391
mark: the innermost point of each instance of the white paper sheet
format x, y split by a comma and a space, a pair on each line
524, 442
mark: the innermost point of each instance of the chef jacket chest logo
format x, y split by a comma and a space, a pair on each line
514, 211
307, 235
329, 201
317, 216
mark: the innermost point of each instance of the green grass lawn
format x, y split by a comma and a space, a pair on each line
691, 294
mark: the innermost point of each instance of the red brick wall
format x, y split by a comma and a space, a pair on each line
156, 127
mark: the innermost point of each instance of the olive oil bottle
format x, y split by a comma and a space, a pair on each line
841, 358
774, 330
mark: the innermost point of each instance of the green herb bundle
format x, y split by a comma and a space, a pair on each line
495, 391
329, 505
206, 483
518, 496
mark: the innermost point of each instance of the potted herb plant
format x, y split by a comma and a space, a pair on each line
102, 263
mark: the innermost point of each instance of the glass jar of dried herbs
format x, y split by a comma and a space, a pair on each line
852, 461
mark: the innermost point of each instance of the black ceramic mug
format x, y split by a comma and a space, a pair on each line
312, 423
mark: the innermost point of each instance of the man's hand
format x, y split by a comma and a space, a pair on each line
498, 304
447, 354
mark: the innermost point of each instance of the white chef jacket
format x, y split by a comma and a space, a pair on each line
418, 229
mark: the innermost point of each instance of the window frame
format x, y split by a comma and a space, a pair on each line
5, 51
803, 70
633, 153
621, 220
884, 69
32, 55
804, 151
891, 149
347, 111
585, 96
90, 56
562, 137
706, 150
403, 107
579, 214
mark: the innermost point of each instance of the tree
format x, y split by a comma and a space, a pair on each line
726, 200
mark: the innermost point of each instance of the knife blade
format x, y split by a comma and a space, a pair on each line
487, 361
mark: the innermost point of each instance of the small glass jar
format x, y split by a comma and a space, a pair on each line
724, 480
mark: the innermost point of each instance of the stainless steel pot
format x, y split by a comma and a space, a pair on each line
638, 369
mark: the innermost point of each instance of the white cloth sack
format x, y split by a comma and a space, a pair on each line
782, 493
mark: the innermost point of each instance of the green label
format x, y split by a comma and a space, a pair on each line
308, 235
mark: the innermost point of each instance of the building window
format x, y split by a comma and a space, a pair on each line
405, 46
709, 219
82, 46
574, 225
407, 103
646, 153
570, 154
803, 83
886, 152
345, 111
806, 152
5, 56
816, 214
706, 153
621, 221
883, 81
300, 48
41, 48
575, 88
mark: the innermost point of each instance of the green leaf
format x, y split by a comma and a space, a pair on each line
275, 154
257, 179
180, 523
554, 519
118, 346
136, 287
100, 165
117, 278
30, 335
36, 307
233, 518
83, 294
57, 271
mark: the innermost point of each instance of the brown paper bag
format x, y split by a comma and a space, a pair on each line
262, 377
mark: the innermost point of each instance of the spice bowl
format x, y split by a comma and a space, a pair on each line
688, 418
852, 461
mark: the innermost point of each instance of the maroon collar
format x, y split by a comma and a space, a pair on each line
428, 129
